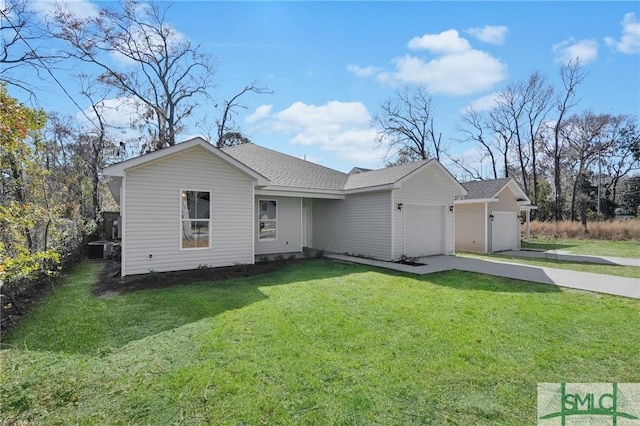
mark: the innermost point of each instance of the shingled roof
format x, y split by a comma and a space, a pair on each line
481, 189
386, 176
485, 189
286, 170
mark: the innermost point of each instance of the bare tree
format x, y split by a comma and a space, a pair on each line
227, 135
516, 122
474, 131
22, 45
583, 134
406, 126
571, 75
538, 99
501, 123
621, 155
160, 68
94, 144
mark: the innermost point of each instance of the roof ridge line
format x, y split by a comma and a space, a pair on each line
289, 155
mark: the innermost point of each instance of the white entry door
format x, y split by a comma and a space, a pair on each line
423, 230
505, 231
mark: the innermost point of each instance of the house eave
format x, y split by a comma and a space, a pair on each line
287, 191
376, 188
476, 201
525, 207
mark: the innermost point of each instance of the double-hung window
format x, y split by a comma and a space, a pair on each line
195, 219
267, 219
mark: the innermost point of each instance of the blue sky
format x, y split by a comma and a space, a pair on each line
331, 64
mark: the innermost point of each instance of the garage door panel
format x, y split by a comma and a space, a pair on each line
424, 230
504, 231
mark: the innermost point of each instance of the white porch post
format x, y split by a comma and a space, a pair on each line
527, 226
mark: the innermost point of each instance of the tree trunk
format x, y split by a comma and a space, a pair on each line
573, 198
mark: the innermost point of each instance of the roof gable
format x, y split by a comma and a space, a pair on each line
487, 189
381, 177
119, 169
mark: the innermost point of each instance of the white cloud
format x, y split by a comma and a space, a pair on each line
120, 113
630, 40
485, 103
455, 74
489, 33
261, 112
457, 69
149, 42
362, 71
81, 8
340, 128
570, 50
445, 42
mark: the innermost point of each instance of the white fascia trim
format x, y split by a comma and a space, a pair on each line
377, 188
280, 191
527, 207
476, 201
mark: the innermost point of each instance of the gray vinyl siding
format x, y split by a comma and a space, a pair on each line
428, 187
507, 203
470, 225
152, 222
360, 224
289, 226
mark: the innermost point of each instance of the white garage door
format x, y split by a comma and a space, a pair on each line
423, 230
504, 231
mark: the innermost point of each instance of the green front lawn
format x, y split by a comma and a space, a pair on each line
591, 247
320, 342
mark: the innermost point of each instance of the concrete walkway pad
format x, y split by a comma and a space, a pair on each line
619, 286
569, 257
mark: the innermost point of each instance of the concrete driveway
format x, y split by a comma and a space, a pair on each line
619, 286
566, 256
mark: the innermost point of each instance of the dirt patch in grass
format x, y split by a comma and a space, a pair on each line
110, 282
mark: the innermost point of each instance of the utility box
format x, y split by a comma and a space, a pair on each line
100, 249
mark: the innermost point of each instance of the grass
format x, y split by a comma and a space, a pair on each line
617, 270
590, 247
314, 343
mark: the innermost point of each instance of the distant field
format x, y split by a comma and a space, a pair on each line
615, 230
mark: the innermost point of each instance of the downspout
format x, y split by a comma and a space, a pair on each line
393, 226
254, 219
453, 243
486, 227
123, 237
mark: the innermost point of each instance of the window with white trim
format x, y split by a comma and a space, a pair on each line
195, 219
267, 219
